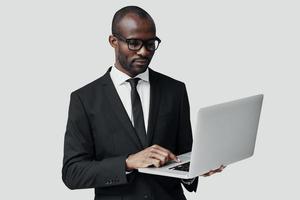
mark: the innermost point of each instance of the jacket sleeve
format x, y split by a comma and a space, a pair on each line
184, 136
80, 169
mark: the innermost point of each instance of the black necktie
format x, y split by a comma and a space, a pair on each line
137, 111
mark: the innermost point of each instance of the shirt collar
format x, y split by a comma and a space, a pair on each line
120, 77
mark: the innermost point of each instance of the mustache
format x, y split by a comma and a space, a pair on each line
141, 59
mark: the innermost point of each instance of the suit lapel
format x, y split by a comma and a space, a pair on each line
154, 105
118, 108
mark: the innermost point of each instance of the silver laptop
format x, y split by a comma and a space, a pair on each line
225, 133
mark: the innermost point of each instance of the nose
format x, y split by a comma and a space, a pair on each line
143, 52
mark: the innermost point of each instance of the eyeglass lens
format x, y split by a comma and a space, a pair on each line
135, 44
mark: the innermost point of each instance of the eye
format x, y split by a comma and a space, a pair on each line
134, 42
151, 43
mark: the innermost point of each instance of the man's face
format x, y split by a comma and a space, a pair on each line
129, 61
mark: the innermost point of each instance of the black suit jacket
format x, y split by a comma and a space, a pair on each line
99, 137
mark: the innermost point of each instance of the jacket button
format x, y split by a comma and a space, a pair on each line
146, 196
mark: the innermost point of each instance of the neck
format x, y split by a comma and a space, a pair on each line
122, 69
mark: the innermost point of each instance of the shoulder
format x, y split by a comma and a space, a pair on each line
164, 80
92, 87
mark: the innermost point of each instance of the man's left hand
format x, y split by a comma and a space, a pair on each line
211, 172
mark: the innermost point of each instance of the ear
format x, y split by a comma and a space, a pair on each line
113, 41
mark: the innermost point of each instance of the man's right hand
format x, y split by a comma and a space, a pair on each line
154, 155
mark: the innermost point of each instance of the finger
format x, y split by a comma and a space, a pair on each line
156, 146
211, 173
161, 155
162, 159
220, 169
208, 174
205, 175
167, 155
170, 154
159, 151
153, 161
173, 157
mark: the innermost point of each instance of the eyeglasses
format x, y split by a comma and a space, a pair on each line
137, 44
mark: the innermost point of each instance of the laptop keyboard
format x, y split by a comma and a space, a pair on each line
183, 167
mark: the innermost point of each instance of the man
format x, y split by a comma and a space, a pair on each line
129, 118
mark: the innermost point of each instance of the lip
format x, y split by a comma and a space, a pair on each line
143, 61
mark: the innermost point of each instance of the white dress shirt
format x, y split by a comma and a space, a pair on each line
124, 91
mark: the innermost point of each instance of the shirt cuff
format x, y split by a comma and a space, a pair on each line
128, 172
188, 181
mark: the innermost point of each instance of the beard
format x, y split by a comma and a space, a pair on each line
134, 66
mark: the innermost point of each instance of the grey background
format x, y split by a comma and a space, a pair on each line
222, 50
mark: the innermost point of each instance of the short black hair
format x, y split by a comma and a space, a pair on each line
127, 10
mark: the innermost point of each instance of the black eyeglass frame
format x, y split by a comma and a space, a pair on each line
144, 42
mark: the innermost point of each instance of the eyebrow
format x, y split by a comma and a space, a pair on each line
133, 38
